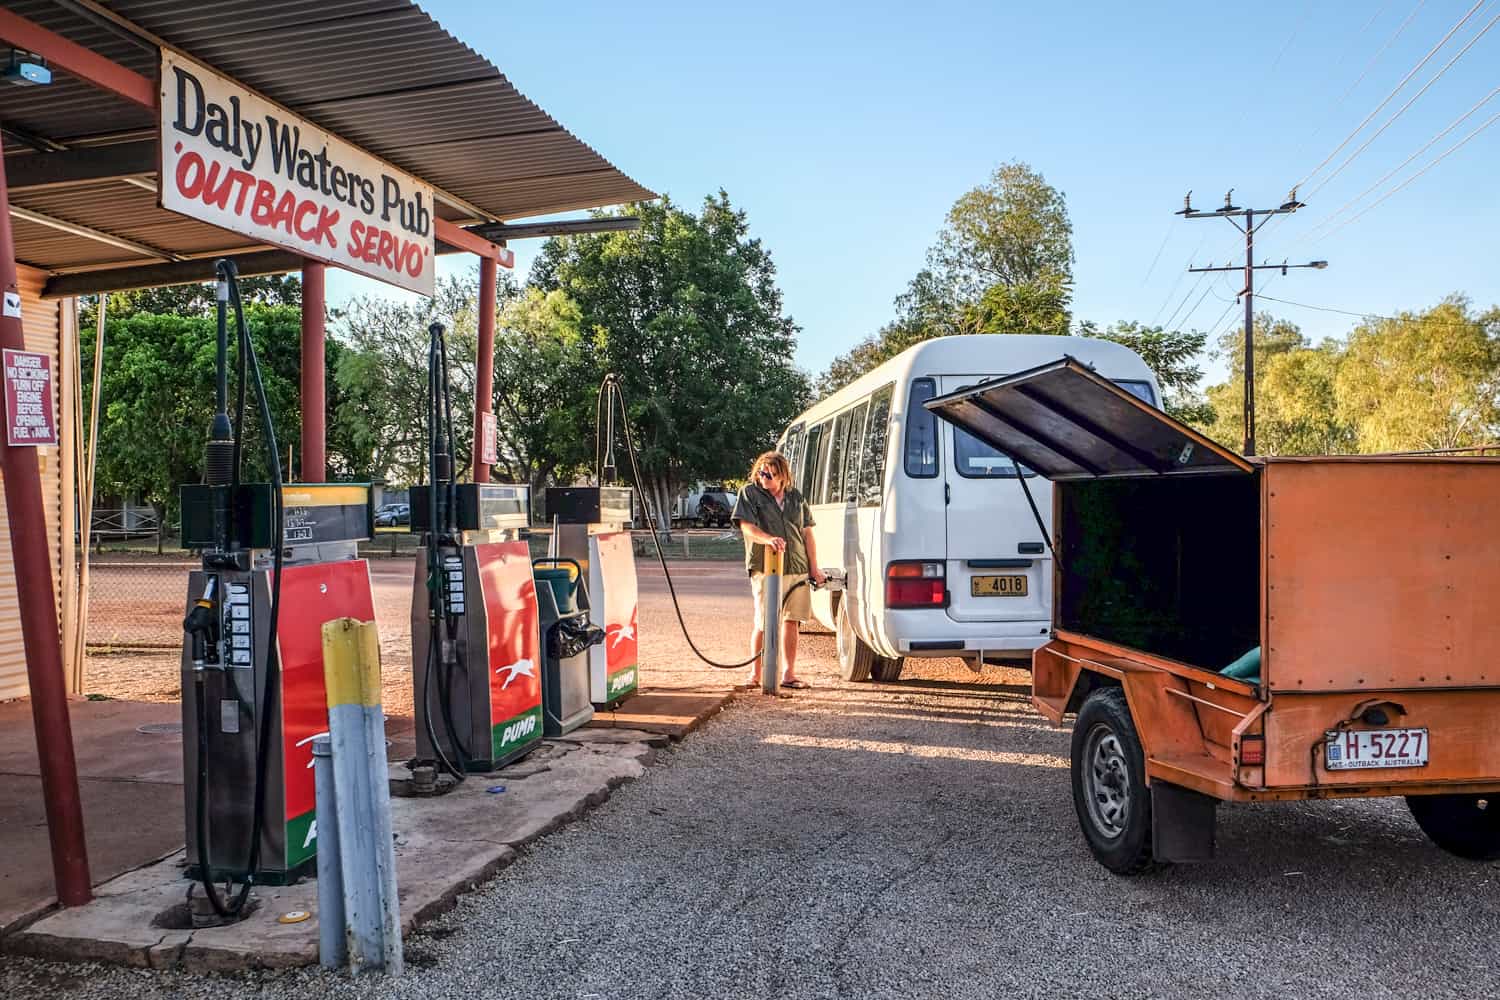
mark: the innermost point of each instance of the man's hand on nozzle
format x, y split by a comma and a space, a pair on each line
818, 576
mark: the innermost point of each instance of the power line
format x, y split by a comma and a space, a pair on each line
1366, 72
1391, 96
1402, 110
1364, 315
1400, 29
1402, 165
1152, 269
1232, 212
1180, 275
1439, 159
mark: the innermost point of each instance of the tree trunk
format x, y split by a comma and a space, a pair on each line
661, 493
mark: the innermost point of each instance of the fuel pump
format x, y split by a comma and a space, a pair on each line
278, 560
589, 528
476, 648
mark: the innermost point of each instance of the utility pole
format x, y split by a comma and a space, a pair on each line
1233, 212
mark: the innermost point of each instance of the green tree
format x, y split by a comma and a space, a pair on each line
1273, 337
545, 390
1002, 263
1297, 410
1423, 380
1172, 355
157, 392
198, 299
686, 309
381, 415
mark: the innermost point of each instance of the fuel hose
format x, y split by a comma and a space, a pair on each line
611, 393
224, 906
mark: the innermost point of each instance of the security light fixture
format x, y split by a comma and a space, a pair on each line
26, 69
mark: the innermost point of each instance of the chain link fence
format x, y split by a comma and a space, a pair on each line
137, 598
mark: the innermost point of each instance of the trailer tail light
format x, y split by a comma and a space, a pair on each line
916, 584
1252, 751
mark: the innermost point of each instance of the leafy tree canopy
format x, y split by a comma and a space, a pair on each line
158, 398
686, 310
1002, 263
1172, 356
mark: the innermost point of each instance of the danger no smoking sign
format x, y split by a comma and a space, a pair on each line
28, 399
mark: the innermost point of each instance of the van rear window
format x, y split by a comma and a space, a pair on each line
920, 449
977, 460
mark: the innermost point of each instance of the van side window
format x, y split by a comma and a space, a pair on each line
833, 489
877, 437
791, 447
852, 452
812, 449
921, 431
1140, 390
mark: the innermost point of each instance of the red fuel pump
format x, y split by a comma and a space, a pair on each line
477, 658
278, 560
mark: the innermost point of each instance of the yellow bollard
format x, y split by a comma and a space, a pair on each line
770, 647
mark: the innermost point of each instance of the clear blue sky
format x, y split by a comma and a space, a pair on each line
846, 132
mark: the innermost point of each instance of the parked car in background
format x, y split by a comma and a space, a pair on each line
392, 514
705, 507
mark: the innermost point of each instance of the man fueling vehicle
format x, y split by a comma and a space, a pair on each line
772, 514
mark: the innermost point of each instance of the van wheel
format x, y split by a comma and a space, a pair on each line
1465, 825
887, 669
1109, 783
856, 659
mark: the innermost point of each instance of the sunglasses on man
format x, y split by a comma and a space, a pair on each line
766, 474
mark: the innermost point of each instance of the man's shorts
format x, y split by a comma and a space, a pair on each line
796, 605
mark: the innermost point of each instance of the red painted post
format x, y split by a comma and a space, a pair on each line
484, 379
39, 628
314, 405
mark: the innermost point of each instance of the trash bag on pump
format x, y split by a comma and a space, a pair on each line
571, 636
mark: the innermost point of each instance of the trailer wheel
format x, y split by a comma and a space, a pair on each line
856, 659
1109, 783
1465, 825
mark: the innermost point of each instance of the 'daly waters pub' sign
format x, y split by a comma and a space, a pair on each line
232, 158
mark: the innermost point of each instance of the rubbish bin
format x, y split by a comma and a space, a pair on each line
566, 634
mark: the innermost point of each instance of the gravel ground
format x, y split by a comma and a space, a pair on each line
884, 840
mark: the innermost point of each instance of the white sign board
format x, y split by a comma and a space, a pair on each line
232, 158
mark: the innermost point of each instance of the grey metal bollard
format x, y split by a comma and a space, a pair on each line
361, 781
332, 952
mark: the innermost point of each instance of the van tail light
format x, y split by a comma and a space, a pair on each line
1252, 751
916, 584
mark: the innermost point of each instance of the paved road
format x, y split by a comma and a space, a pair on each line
873, 841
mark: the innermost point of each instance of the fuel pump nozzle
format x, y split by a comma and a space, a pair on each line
202, 628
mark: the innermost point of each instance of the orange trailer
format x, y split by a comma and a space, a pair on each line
1241, 630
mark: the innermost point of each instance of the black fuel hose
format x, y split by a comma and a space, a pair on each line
611, 384
440, 529
248, 364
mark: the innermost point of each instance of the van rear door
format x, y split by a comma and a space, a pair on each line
998, 567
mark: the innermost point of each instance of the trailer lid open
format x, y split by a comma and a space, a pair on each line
1067, 422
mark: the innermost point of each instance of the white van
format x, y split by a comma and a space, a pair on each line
941, 553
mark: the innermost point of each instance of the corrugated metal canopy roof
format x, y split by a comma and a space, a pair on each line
380, 73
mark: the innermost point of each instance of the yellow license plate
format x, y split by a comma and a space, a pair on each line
997, 586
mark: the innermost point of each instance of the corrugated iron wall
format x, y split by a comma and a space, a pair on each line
41, 322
